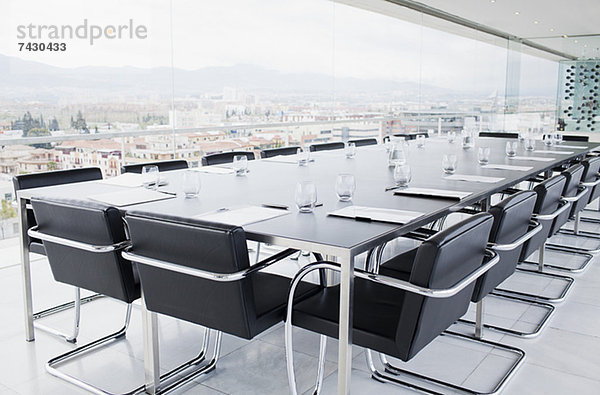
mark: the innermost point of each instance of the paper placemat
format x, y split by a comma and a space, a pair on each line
125, 180
432, 192
472, 178
506, 167
376, 214
533, 158
541, 151
130, 196
241, 216
572, 146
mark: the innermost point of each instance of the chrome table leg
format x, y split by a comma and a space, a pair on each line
25, 270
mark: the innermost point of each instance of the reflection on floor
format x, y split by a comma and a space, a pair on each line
565, 358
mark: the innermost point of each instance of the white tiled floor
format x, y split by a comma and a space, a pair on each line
565, 358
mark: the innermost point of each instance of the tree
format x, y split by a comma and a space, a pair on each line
6, 212
52, 165
79, 123
38, 132
53, 125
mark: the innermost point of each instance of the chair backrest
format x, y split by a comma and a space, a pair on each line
574, 175
501, 135
92, 223
549, 193
270, 153
224, 157
511, 221
441, 261
590, 174
571, 137
363, 142
218, 248
45, 179
326, 146
165, 165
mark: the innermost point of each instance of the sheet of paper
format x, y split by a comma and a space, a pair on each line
572, 146
377, 214
125, 180
443, 193
533, 158
130, 196
242, 215
541, 151
472, 178
214, 170
506, 167
293, 159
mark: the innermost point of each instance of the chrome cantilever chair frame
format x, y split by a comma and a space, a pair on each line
75, 304
540, 267
408, 287
156, 384
51, 365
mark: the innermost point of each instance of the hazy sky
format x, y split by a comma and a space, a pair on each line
286, 35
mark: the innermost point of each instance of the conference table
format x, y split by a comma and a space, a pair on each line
272, 182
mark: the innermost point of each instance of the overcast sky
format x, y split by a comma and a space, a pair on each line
285, 35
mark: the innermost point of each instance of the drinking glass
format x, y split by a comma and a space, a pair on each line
150, 176
350, 150
511, 148
420, 141
451, 137
306, 196
549, 139
558, 138
303, 156
449, 163
468, 140
191, 184
397, 154
240, 165
345, 185
529, 144
402, 175
483, 155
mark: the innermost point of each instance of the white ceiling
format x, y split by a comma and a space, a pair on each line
544, 22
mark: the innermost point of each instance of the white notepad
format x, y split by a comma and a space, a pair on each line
541, 151
214, 170
376, 214
472, 178
242, 215
533, 158
130, 196
125, 180
292, 159
572, 146
506, 167
432, 192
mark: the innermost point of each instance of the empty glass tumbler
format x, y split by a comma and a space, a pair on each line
420, 141
529, 144
306, 196
511, 148
549, 139
150, 176
191, 184
345, 185
483, 155
402, 175
468, 139
398, 154
240, 165
303, 156
449, 163
451, 137
350, 150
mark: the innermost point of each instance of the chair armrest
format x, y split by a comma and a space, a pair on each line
190, 271
575, 198
537, 227
591, 184
35, 233
545, 217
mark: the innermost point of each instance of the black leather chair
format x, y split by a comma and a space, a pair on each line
501, 135
45, 179
200, 272
270, 153
548, 206
326, 146
166, 165
591, 179
363, 142
83, 242
224, 157
395, 317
